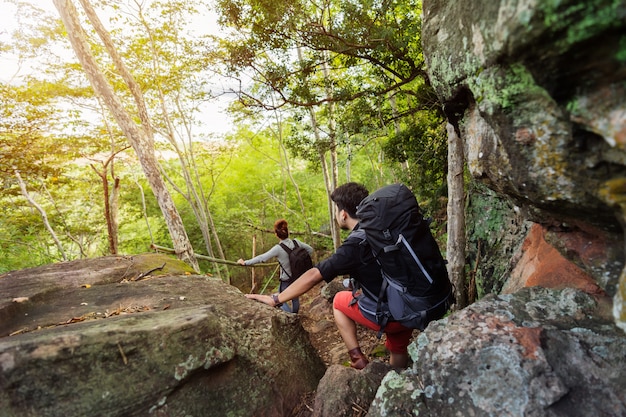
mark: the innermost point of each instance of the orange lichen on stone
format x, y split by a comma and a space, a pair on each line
528, 338
525, 136
620, 138
542, 265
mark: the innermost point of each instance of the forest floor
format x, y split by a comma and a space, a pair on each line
316, 314
317, 319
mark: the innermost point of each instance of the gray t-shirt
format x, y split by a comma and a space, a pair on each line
279, 253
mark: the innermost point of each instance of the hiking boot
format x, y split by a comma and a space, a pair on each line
357, 359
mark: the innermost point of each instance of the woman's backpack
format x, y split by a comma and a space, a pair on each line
299, 260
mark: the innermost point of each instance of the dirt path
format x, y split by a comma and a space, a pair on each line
316, 314
317, 318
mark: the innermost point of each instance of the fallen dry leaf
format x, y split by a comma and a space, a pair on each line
24, 330
74, 320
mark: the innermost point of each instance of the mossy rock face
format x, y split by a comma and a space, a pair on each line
539, 124
538, 93
495, 233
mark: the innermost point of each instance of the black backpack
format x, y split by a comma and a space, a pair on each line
299, 260
416, 288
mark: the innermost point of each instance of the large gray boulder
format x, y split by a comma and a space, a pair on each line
95, 337
538, 352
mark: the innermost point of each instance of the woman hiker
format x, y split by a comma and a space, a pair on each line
281, 230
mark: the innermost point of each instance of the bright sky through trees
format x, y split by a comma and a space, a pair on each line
214, 119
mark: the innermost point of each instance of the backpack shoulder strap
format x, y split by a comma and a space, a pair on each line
285, 247
288, 250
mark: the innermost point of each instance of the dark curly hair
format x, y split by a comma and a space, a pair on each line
348, 196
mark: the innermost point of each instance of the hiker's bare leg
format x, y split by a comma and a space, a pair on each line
347, 329
399, 360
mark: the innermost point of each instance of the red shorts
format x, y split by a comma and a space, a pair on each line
398, 336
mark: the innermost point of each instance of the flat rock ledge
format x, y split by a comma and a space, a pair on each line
100, 337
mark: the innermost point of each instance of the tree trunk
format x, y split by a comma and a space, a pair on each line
140, 138
396, 125
287, 169
254, 285
110, 198
334, 167
330, 175
330, 183
114, 206
334, 227
195, 195
456, 216
107, 208
42, 212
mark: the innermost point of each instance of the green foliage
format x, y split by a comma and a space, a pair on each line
353, 60
422, 144
346, 51
354, 57
24, 117
492, 223
264, 192
22, 248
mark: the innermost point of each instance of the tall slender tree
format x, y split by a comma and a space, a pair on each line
177, 66
140, 136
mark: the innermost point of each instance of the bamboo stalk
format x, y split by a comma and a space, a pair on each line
208, 258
